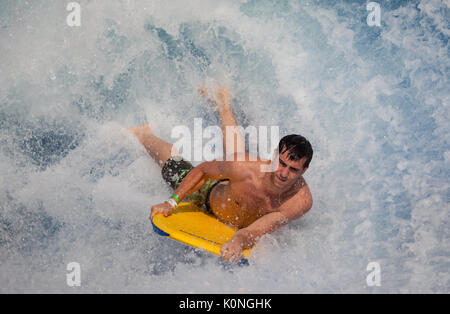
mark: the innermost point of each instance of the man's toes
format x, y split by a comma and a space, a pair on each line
146, 129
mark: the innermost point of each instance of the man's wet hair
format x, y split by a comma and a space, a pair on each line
297, 146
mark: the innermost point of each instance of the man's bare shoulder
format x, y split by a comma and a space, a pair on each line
249, 164
304, 193
244, 160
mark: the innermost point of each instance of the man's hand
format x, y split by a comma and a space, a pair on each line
231, 251
164, 208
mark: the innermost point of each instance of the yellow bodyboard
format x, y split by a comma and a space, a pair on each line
190, 225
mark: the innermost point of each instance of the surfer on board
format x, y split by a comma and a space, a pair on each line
237, 192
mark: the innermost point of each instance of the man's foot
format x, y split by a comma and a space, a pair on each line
141, 131
159, 149
221, 100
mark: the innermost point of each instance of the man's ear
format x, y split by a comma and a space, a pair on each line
304, 169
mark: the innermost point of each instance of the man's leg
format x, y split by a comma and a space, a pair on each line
227, 120
159, 149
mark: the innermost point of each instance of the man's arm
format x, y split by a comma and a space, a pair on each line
215, 169
270, 222
247, 237
198, 176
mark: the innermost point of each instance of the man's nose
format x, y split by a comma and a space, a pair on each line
284, 172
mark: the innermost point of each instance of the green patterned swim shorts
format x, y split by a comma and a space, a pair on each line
176, 169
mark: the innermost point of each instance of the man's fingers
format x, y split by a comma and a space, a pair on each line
234, 257
225, 256
224, 253
154, 211
157, 209
230, 255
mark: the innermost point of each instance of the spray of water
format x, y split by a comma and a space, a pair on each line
77, 187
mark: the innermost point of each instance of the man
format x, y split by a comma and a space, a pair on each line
237, 192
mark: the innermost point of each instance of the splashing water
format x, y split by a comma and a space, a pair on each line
77, 187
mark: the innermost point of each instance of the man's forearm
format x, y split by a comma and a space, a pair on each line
247, 237
191, 183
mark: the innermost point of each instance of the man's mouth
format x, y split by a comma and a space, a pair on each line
280, 179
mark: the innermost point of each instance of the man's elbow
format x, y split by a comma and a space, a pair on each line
211, 169
206, 168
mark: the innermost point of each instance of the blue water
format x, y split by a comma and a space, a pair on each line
76, 187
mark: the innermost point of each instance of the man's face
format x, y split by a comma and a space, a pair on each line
288, 170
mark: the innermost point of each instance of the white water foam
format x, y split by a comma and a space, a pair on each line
76, 186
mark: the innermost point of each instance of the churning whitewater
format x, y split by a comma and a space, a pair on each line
76, 186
